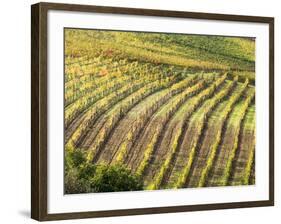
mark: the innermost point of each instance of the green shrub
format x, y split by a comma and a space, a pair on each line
114, 178
84, 177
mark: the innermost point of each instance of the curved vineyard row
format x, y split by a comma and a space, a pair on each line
221, 171
107, 90
149, 126
86, 85
146, 125
190, 89
172, 110
172, 134
192, 135
211, 138
94, 141
73, 124
102, 105
243, 162
132, 123
145, 143
88, 82
214, 147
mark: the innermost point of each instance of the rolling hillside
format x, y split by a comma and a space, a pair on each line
176, 110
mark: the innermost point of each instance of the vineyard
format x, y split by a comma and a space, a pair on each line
175, 111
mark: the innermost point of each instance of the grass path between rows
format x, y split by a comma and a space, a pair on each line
207, 145
243, 163
223, 162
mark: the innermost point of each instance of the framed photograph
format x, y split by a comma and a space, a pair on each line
140, 111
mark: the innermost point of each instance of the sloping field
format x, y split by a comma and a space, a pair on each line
176, 115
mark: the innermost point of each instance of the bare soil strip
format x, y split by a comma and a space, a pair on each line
222, 165
89, 101
206, 149
96, 138
181, 165
143, 149
243, 162
79, 129
123, 135
88, 114
169, 144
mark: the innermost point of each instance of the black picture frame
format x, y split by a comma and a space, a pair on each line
39, 106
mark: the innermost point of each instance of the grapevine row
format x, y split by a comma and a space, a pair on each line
168, 111
193, 103
144, 116
201, 116
223, 116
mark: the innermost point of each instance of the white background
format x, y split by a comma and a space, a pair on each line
15, 112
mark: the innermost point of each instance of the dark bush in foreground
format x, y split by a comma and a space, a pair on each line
84, 177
